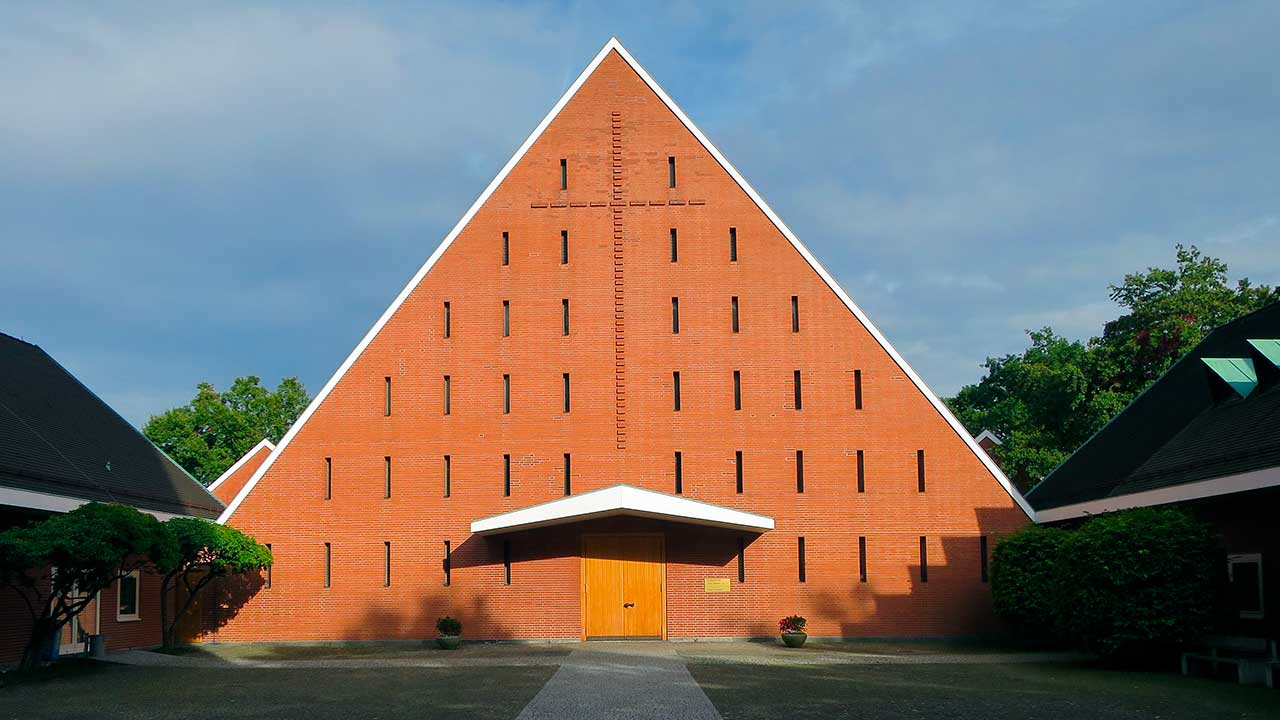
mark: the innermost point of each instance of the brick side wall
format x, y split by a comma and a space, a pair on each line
230, 487
616, 136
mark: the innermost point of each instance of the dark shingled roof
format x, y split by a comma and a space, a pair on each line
57, 437
1188, 426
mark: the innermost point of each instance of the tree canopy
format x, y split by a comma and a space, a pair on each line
207, 435
1048, 400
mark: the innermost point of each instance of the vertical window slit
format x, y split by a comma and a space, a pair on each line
328, 565
447, 399
506, 562
448, 320
568, 476
506, 318
564, 317
795, 313
674, 253
920, 470
564, 174
386, 476
328, 478
675, 315
800, 471
506, 248
564, 247
796, 388
386, 575
675, 389
800, 548
566, 391
862, 475
448, 563
924, 560
982, 558
506, 475
733, 244
679, 474
269, 565
737, 389
857, 389
448, 475
742, 560
506, 394
671, 171
862, 559
733, 307
386, 396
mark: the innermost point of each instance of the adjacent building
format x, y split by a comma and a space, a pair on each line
60, 447
621, 400
1204, 437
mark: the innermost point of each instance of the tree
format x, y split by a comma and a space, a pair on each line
1022, 581
58, 565
207, 435
205, 551
1048, 400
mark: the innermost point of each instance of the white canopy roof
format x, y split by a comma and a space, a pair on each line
622, 500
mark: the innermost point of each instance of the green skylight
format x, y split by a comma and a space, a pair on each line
1236, 372
1270, 350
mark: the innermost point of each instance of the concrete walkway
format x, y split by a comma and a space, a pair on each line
629, 680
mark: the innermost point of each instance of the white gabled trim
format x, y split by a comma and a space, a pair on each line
622, 500
1255, 480
611, 46
988, 435
240, 463
32, 500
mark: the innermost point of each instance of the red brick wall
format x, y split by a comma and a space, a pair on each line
622, 428
230, 487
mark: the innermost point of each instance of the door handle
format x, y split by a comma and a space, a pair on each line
628, 605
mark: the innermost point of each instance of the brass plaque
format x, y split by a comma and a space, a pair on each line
715, 585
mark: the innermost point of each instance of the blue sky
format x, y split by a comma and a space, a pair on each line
199, 192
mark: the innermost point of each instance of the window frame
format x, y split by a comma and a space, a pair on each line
733, 244
136, 615
1245, 558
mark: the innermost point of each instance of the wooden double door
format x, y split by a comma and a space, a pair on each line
624, 587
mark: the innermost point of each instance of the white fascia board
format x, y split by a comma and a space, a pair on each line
988, 435
240, 463
1226, 485
622, 500
32, 500
611, 46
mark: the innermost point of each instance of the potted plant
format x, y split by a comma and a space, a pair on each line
450, 633
792, 629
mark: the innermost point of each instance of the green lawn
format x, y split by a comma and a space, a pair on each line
978, 692
91, 690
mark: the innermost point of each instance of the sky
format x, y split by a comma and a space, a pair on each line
195, 192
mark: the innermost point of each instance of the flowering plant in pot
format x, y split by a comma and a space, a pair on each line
450, 633
792, 629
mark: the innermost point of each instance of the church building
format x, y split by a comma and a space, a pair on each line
620, 400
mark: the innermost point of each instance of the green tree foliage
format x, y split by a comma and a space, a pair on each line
1022, 581
1124, 584
204, 552
207, 435
1047, 401
59, 564
1134, 582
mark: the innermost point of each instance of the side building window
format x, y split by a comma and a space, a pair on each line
1245, 574
129, 596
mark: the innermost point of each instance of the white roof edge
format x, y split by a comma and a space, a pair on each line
240, 463
621, 499
988, 435
614, 45
1225, 485
50, 502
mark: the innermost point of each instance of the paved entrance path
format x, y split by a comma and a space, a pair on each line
624, 680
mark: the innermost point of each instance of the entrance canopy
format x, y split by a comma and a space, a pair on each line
622, 500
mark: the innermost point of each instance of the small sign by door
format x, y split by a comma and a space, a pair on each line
715, 585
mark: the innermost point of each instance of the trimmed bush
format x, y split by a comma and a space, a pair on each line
1022, 581
1138, 582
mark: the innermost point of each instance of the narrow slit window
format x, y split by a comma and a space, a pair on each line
862, 559
506, 318
800, 548
679, 474
795, 313
675, 315
564, 247
568, 475
448, 563
506, 248
742, 560
506, 394
737, 458
675, 389
506, 476
565, 377
857, 389
733, 312
924, 560
448, 320
796, 388
671, 171
675, 255
733, 244
982, 558
862, 474
328, 478
386, 476
564, 317
506, 562
920, 470
448, 475
269, 565
386, 564
328, 565
737, 389
447, 393
564, 174
386, 397
800, 471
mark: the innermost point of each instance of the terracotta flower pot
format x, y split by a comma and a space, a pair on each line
794, 639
